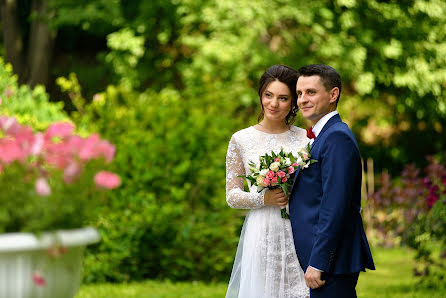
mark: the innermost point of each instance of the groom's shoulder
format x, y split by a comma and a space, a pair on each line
340, 132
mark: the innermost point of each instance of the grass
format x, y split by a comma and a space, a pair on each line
393, 278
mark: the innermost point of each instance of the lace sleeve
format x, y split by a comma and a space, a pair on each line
236, 197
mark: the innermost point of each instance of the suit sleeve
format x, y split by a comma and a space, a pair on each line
340, 168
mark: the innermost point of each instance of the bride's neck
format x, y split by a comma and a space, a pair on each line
273, 126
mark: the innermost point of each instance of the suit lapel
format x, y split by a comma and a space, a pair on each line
335, 119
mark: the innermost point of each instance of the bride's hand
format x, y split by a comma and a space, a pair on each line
275, 197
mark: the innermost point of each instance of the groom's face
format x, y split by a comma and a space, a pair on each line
313, 99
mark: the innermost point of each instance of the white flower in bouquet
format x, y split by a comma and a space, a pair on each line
275, 166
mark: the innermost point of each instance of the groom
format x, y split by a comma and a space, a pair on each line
325, 202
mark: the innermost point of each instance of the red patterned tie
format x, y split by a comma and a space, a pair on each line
310, 133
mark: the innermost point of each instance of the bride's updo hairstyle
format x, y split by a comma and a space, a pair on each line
283, 74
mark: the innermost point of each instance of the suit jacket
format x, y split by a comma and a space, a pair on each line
325, 205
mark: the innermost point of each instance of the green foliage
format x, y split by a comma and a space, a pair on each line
29, 106
169, 219
69, 206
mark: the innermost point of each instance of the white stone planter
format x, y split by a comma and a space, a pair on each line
22, 254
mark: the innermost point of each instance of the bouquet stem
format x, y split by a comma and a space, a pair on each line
284, 214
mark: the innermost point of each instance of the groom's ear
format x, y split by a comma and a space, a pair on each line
334, 93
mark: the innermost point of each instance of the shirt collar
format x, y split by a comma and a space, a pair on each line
321, 123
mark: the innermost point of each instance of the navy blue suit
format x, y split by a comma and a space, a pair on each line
325, 206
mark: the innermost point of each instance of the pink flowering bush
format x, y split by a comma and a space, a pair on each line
413, 210
53, 179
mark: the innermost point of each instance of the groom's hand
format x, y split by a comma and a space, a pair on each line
313, 278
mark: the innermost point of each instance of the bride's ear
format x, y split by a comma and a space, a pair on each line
334, 93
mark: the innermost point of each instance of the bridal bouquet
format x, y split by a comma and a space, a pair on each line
276, 170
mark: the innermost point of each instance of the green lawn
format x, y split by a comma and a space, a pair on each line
393, 278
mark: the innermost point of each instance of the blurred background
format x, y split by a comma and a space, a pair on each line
169, 81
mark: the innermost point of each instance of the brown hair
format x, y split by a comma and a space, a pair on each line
283, 74
329, 77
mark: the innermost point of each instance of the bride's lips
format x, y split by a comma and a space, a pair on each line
273, 111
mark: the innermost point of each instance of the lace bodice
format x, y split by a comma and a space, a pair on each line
247, 145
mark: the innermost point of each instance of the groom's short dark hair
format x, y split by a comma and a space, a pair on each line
330, 78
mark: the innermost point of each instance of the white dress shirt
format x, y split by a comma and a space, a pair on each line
321, 123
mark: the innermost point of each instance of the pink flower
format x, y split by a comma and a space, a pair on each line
42, 187
270, 175
107, 150
281, 174
8, 124
38, 279
284, 179
89, 148
71, 172
305, 156
295, 164
291, 170
266, 181
60, 129
274, 180
37, 144
10, 151
276, 159
107, 180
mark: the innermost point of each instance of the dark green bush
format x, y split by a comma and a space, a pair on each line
169, 218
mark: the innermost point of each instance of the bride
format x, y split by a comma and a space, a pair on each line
266, 264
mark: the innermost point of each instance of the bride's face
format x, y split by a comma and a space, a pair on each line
276, 101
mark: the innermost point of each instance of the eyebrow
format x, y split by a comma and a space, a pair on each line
278, 95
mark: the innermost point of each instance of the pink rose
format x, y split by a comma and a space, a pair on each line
284, 179
266, 181
107, 180
291, 170
42, 187
274, 180
305, 156
276, 159
270, 175
295, 164
281, 174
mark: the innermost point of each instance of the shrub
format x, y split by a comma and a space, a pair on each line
169, 219
413, 209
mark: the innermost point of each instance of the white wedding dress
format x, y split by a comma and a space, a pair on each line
266, 264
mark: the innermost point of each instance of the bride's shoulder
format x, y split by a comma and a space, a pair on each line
242, 133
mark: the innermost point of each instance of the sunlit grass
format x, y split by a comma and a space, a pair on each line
393, 278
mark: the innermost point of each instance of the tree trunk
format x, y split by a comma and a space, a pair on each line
12, 37
41, 43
